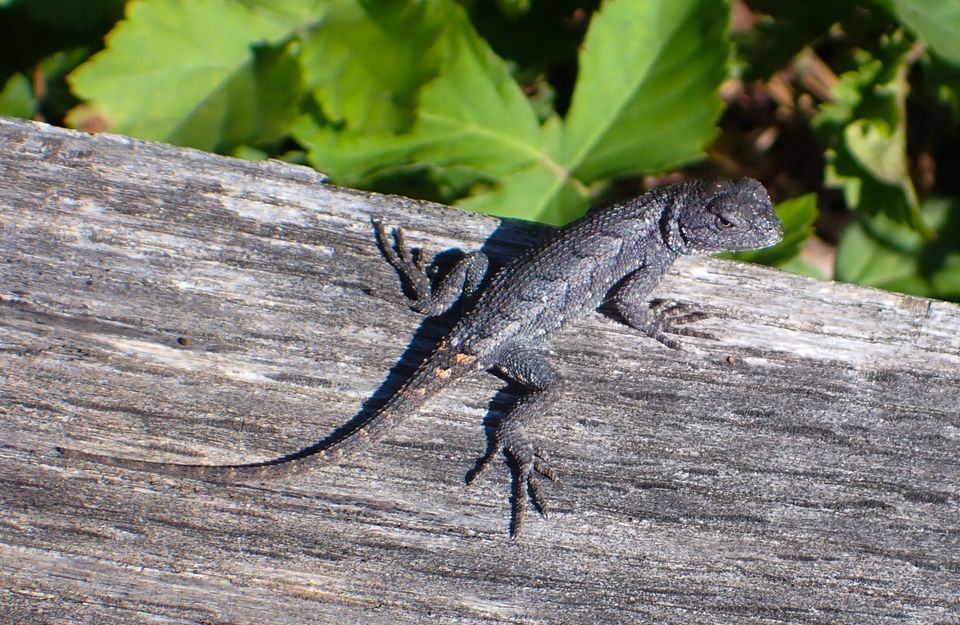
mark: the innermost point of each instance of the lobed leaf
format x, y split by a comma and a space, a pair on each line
936, 21
532, 191
877, 251
646, 97
16, 98
205, 74
868, 120
472, 117
474, 112
657, 107
366, 62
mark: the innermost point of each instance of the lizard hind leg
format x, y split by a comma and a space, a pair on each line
530, 369
463, 280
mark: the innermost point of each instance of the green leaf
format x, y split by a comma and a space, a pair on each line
354, 159
646, 97
867, 120
936, 21
877, 251
16, 98
797, 215
255, 106
535, 191
366, 61
474, 113
882, 151
212, 74
657, 107
471, 117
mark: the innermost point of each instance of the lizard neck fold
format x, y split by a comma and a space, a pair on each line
670, 231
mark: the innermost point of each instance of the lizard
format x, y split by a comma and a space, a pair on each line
614, 255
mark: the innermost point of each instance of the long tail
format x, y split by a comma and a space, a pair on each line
433, 375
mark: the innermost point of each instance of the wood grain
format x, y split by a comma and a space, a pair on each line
168, 304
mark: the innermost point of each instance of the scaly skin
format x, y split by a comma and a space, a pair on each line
616, 254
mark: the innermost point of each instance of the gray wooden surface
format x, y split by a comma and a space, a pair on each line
164, 303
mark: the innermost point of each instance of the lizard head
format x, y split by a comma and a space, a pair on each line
721, 215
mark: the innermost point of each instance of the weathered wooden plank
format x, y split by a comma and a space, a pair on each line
169, 304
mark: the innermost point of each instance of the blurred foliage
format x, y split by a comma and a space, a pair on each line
535, 109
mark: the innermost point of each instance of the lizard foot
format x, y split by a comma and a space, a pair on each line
464, 279
409, 263
671, 317
527, 464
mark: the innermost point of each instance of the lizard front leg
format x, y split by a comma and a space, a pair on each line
530, 369
462, 281
655, 317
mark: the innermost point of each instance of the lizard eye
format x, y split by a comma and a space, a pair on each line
723, 223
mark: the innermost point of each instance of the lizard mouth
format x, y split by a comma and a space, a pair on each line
775, 234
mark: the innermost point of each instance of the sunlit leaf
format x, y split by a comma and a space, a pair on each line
877, 251
647, 92
16, 98
209, 74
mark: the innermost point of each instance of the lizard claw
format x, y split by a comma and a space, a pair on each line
464, 279
409, 263
671, 317
527, 464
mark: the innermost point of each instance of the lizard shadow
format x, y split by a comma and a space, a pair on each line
509, 241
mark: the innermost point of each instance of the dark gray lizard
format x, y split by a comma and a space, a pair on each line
615, 254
